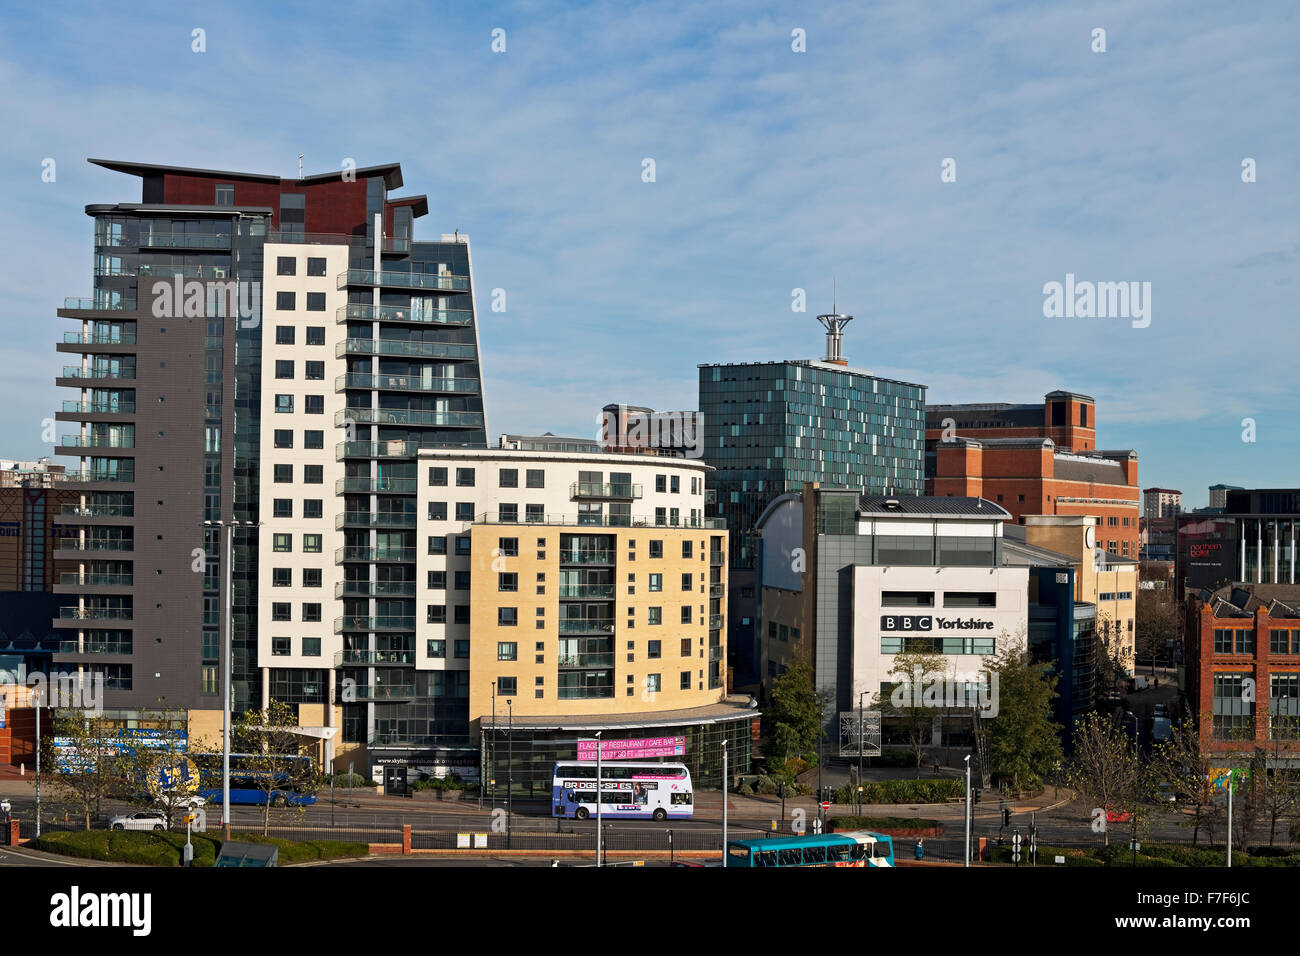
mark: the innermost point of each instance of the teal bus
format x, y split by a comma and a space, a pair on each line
856, 848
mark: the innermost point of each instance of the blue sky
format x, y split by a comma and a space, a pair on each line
775, 170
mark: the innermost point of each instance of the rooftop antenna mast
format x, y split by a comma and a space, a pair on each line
834, 325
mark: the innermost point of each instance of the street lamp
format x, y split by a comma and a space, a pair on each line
724, 801
598, 796
860, 741
510, 764
36, 698
492, 763
966, 858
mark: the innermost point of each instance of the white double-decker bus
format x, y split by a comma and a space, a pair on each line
651, 791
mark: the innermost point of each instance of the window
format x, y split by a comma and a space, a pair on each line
686, 678
508, 547
436, 614
283, 474
283, 508
284, 335
508, 514
535, 478
315, 267
463, 545
508, 478
313, 474
284, 438
284, 301
507, 686
655, 615
970, 599
907, 599
312, 508
507, 651
674, 485
464, 477
686, 582
653, 683
281, 577
533, 513
688, 549
437, 511
284, 404
686, 615
508, 581
661, 483
656, 548
280, 646
656, 582
313, 438
437, 580
283, 368
311, 613
286, 266
311, 577
461, 649
282, 542
315, 404
311, 647
464, 511
313, 370
507, 616
435, 647
315, 335
281, 611
438, 477
653, 649
460, 580
461, 615
225, 196
686, 647
437, 545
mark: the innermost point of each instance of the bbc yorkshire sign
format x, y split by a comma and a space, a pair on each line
926, 622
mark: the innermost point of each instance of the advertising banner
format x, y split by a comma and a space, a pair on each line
635, 749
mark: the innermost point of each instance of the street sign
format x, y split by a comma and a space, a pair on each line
826, 806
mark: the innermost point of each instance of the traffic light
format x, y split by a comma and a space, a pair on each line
975, 795
1006, 818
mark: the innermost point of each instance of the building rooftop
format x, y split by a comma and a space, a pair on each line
392, 172
734, 707
931, 506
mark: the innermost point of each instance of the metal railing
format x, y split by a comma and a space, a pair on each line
377, 449
76, 371
374, 589
99, 338
380, 622
410, 383
95, 613
588, 557
403, 349
600, 521
407, 416
88, 647
362, 312
91, 580
374, 554
376, 485
98, 511
100, 408
592, 591
374, 519
346, 657
596, 489
589, 626
445, 282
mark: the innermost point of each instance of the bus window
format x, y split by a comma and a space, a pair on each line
859, 851
681, 799
739, 853
814, 855
838, 854
765, 858
790, 857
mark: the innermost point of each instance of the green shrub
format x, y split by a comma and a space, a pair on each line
883, 824
163, 848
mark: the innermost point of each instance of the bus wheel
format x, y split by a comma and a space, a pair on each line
661, 814
581, 813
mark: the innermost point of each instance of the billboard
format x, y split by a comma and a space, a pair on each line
635, 749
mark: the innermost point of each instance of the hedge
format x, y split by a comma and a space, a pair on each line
903, 791
164, 848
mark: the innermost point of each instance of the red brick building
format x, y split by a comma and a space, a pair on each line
1243, 670
1036, 460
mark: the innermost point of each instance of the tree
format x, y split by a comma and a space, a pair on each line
908, 703
1156, 624
1023, 739
276, 758
85, 766
1181, 762
154, 758
795, 718
1106, 771
1112, 663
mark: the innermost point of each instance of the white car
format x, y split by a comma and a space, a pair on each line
144, 820
187, 803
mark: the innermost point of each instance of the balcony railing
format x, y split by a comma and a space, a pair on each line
374, 554
715, 653
574, 661
589, 626
715, 622
91, 580
88, 647
403, 349
382, 622
600, 521
76, 371
99, 338
374, 519
407, 416
397, 486
407, 383
585, 591
374, 589
364, 692
176, 240
91, 304
355, 657
95, 544
185, 272
717, 590
595, 489
90, 476
404, 280
360, 312
95, 613
98, 511
97, 441
100, 408
588, 557
717, 559
377, 449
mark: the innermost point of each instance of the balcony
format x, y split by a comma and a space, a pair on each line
408, 416
176, 240
91, 476
94, 614
594, 489
717, 590
396, 486
364, 692
582, 661
97, 441
96, 648
717, 559
598, 521
364, 658
98, 511
430, 350
372, 555
377, 449
715, 653
375, 519
90, 304
588, 557
406, 383
383, 622
716, 622
90, 580
587, 626
96, 544
99, 408
374, 589
360, 312
587, 591
99, 338
710, 496
160, 271
76, 371
404, 280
